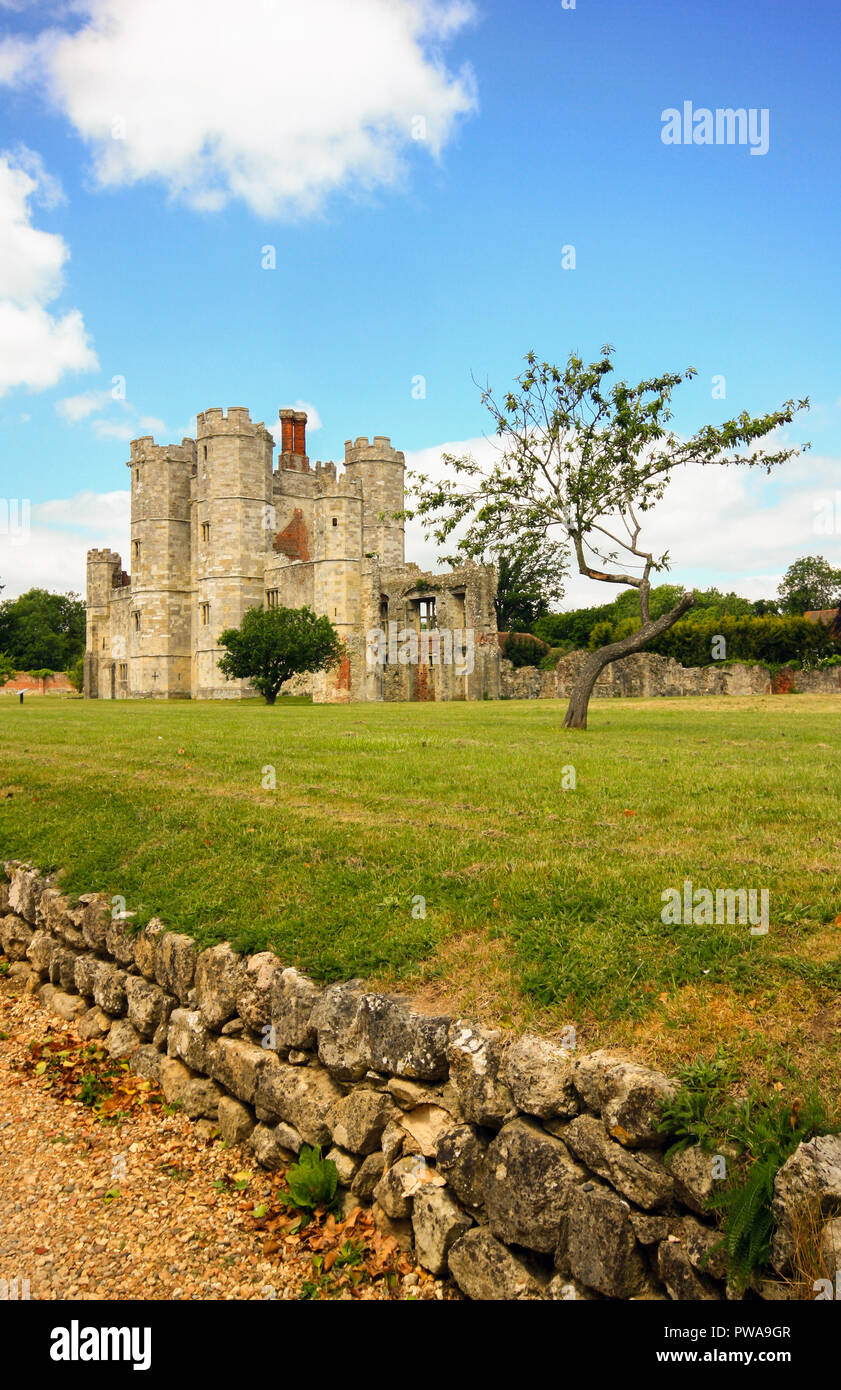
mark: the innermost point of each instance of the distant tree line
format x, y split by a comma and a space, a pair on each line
40, 631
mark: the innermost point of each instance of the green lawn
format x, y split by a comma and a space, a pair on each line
542, 904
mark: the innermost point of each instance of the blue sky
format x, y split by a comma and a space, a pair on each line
399, 257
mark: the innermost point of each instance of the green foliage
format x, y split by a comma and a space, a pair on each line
273, 644
600, 634
76, 673
7, 668
92, 1090
42, 630
763, 1130
766, 638
312, 1181
521, 649
529, 578
810, 583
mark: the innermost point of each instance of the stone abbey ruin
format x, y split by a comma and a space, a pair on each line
216, 529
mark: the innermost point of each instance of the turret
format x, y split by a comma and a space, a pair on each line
380, 470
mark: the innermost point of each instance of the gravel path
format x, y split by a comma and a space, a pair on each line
91, 1209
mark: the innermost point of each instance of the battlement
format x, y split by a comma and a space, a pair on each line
145, 450
378, 451
103, 557
235, 420
344, 485
296, 463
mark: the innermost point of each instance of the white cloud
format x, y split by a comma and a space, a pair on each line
313, 417
36, 347
273, 102
75, 408
62, 531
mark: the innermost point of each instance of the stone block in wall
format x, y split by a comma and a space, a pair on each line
539, 1074
628, 1097
95, 1023
691, 1170
237, 1065
63, 969
335, 1019
39, 951
810, 1178
437, 1223
15, 936
400, 1184
476, 1057
529, 1177
461, 1155
236, 1123
368, 1175
84, 975
55, 915
188, 1039
146, 943
347, 1164
58, 1001
109, 988
146, 1061
149, 1006
26, 886
4, 896
681, 1280
302, 1096
357, 1121
635, 1173
119, 938
395, 1040
293, 998
199, 1097
275, 1146
424, 1126
598, 1245
122, 1040
486, 1270
92, 916
175, 963
254, 992
217, 979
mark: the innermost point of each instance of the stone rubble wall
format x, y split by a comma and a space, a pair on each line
520, 1169
648, 675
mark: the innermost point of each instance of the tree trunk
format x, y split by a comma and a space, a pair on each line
271, 696
582, 689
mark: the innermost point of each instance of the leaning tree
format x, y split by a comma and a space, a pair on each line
581, 461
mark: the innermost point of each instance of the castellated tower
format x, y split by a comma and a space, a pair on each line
380, 470
232, 525
158, 621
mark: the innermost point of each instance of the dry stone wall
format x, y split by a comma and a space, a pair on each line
522, 1170
649, 675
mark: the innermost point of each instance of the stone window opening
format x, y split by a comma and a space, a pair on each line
137, 550
137, 475
273, 598
425, 610
205, 614
136, 620
205, 530
123, 670
335, 521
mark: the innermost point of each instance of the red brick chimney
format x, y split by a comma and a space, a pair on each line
293, 438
